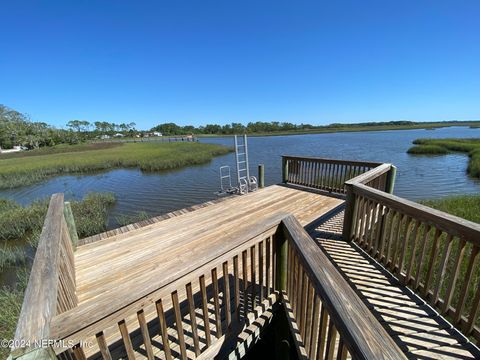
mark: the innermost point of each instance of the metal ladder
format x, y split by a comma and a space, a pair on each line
246, 182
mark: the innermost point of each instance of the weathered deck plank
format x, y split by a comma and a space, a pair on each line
136, 256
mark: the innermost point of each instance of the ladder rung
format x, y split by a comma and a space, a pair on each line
239, 154
242, 170
241, 162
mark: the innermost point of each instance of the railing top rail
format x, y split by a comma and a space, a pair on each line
370, 175
363, 334
333, 161
40, 300
451, 224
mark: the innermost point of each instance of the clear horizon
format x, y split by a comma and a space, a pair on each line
218, 62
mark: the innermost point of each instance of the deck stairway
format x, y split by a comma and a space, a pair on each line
358, 272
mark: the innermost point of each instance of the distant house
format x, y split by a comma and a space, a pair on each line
103, 137
118, 135
156, 133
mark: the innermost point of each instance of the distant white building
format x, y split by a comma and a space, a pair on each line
118, 135
103, 137
156, 133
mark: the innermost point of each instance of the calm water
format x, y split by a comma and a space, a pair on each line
419, 177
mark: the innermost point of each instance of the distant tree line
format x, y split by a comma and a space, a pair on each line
16, 129
261, 127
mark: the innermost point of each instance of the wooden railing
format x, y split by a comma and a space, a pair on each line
326, 308
434, 253
236, 280
279, 262
51, 287
323, 174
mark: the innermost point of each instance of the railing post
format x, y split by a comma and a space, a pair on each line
261, 176
284, 170
392, 173
349, 213
281, 246
72, 229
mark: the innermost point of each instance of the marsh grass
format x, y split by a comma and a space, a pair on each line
26, 170
123, 220
445, 146
20, 228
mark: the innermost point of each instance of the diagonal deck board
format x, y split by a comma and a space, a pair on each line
417, 328
136, 256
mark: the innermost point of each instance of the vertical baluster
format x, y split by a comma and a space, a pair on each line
303, 316
179, 323
409, 225
454, 275
373, 227
268, 265
331, 338
127, 342
226, 295
193, 318
163, 329
145, 334
342, 351
260, 271
395, 225
474, 310
422, 256
308, 322
387, 221
245, 284
236, 285
322, 333
416, 236
80, 355
315, 325
466, 282
206, 316
397, 240
253, 265
102, 345
431, 263
442, 269
216, 304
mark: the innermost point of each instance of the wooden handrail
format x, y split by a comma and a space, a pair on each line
323, 174
359, 330
334, 161
452, 224
51, 286
370, 175
430, 251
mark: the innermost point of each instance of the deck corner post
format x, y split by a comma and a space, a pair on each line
349, 213
284, 170
261, 176
281, 246
72, 228
391, 175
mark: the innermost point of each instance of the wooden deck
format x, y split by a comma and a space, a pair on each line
112, 267
360, 274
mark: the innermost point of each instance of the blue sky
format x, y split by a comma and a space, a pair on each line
198, 62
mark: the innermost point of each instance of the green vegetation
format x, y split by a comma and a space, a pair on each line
445, 146
20, 228
287, 128
25, 170
464, 206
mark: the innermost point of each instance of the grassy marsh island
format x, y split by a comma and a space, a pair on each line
446, 146
26, 168
20, 229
